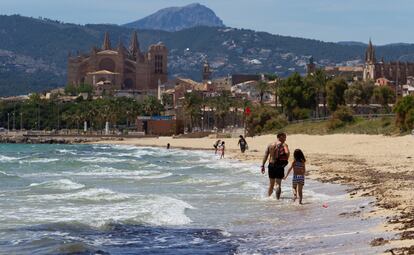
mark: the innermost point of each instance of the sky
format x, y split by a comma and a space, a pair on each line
384, 21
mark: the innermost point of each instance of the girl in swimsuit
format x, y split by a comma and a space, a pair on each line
299, 169
222, 148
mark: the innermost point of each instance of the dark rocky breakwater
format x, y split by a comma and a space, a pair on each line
26, 139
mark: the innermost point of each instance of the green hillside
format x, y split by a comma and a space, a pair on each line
33, 52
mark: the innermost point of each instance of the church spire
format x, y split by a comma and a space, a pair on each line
107, 43
134, 47
370, 53
206, 71
121, 48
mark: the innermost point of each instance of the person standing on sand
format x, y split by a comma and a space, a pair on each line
242, 143
299, 170
278, 155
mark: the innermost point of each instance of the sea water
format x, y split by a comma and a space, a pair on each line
102, 199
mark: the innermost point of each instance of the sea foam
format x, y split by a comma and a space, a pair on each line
87, 195
62, 184
5, 159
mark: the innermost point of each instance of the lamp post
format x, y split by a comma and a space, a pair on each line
58, 117
14, 121
8, 122
21, 121
38, 117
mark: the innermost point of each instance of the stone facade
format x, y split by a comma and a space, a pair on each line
396, 72
113, 69
206, 71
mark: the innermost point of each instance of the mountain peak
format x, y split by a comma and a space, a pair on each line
179, 18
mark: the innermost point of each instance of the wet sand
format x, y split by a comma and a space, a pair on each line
377, 166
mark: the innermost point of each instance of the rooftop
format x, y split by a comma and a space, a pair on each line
102, 72
107, 52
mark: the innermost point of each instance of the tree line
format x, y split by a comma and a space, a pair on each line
296, 98
41, 114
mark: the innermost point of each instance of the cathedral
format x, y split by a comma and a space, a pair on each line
119, 69
396, 73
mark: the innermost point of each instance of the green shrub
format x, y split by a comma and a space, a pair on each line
344, 113
276, 123
409, 119
385, 122
342, 116
405, 110
335, 123
264, 119
301, 113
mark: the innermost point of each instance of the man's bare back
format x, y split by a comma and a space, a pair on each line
271, 152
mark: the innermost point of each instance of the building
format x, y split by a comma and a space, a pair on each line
112, 69
240, 78
178, 87
159, 125
395, 72
408, 89
222, 84
311, 66
248, 90
206, 71
350, 73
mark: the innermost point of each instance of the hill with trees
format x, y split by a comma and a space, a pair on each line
34, 52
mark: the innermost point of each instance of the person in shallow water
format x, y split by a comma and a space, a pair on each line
216, 145
222, 148
243, 144
168, 146
299, 169
278, 155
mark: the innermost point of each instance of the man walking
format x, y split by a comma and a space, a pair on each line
278, 155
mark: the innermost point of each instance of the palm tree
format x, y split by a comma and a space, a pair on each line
133, 109
263, 88
115, 111
321, 80
274, 88
222, 104
192, 107
167, 100
152, 106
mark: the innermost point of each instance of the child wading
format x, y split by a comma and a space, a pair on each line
299, 169
222, 148
216, 145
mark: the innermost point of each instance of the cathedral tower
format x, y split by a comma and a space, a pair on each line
106, 43
206, 71
311, 67
370, 61
370, 54
134, 47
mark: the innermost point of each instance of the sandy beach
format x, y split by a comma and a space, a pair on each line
377, 166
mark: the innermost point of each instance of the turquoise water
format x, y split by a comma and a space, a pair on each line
100, 199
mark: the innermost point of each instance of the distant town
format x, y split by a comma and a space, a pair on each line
123, 90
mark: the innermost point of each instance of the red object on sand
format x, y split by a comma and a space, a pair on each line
325, 205
247, 111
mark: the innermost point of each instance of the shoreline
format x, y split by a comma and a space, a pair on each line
379, 167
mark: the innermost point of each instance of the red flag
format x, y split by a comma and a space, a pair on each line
247, 111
